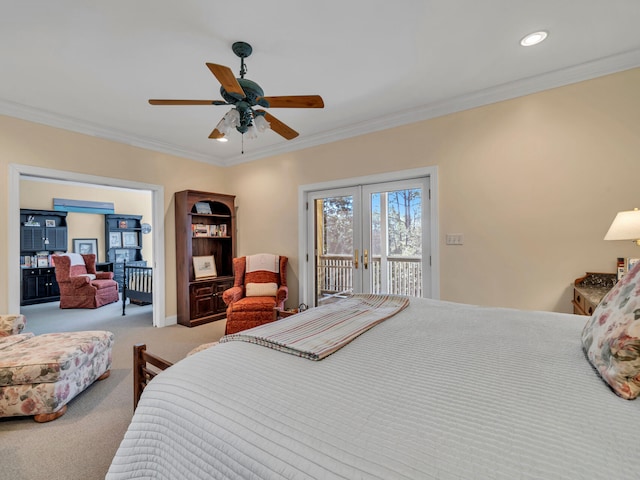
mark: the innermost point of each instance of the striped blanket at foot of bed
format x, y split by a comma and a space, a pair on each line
318, 332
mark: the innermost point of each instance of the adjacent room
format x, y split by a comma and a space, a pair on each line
425, 175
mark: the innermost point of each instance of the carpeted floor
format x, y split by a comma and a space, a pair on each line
80, 444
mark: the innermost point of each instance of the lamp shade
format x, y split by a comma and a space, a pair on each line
626, 226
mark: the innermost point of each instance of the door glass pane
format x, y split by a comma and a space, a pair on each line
334, 247
396, 242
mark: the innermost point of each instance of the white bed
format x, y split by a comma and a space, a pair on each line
439, 391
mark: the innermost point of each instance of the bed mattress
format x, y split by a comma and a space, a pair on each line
439, 391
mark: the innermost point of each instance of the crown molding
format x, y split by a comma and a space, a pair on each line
566, 76
64, 122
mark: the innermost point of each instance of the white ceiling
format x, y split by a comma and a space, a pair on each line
90, 67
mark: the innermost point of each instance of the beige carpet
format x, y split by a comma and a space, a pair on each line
80, 444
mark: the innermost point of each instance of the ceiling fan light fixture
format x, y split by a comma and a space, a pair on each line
222, 139
230, 120
223, 126
252, 132
261, 123
232, 117
534, 38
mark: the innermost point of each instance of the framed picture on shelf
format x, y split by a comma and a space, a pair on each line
203, 207
115, 240
86, 246
122, 255
129, 239
204, 267
122, 224
49, 223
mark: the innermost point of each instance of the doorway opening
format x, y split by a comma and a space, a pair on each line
157, 200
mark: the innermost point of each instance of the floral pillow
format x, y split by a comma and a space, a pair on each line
11, 324
611, 337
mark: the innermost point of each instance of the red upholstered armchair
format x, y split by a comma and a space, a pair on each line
260, 285
80, 285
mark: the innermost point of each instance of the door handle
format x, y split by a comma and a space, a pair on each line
355, 259
366, 259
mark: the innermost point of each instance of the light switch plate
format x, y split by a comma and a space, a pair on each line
454, 239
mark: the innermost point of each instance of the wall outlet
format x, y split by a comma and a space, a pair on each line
454, 239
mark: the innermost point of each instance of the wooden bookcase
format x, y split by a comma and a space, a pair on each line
205, 226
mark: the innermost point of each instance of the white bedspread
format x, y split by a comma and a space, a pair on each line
439, 391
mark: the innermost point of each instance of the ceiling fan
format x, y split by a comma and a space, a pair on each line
245, 95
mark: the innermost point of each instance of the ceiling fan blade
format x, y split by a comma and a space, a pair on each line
216, 134
279, 127
295, 101
227, 79
187, 102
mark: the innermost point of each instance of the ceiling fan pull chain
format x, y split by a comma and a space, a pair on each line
242, 148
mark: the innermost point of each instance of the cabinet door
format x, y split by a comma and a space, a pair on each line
203, 301
32, 239
42, 286
219, 290
57, 238
29, 285
50, 285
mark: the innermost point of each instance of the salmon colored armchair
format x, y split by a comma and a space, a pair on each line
80, 285
260, 286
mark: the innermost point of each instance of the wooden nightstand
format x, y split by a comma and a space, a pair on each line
588, 291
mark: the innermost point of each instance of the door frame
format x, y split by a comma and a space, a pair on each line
305, 257
13, 257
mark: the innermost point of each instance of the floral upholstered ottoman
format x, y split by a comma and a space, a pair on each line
40, 374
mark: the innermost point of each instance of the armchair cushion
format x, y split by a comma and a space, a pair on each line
261, 289
90, 276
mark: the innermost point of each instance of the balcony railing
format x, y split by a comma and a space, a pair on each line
403, 275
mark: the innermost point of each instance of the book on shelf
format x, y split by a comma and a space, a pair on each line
218, 230
203, 207
199, 230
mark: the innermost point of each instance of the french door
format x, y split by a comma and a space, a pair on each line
370, 238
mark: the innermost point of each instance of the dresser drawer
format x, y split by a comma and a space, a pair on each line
579, 301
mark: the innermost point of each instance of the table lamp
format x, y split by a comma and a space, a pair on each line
626, 226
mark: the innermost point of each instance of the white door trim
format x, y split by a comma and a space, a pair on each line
13, 216
303, 228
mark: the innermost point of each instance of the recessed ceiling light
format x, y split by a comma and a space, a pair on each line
222, 139
533, 38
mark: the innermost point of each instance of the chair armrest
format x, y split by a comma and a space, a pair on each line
80, 281
11, 324
104, 275
282, 294
232, 294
